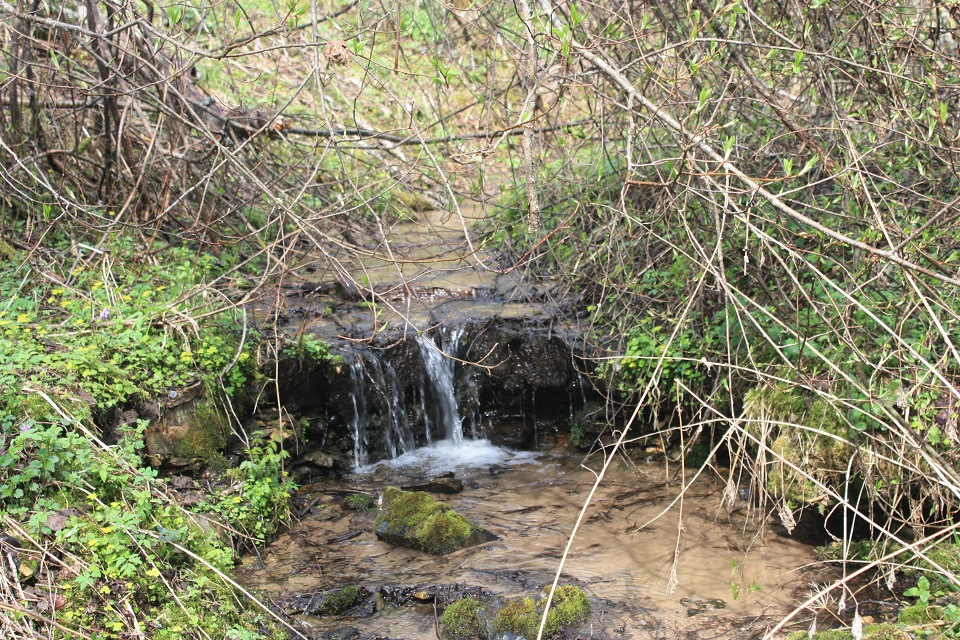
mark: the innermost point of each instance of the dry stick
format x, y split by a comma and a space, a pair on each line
533, 220
701, 143
868, 567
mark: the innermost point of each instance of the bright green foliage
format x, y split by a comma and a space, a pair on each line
461, 620
113, 334
262, 502
131, 544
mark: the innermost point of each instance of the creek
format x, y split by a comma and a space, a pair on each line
629, 547
466, 371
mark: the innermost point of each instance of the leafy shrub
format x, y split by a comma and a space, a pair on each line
257, 499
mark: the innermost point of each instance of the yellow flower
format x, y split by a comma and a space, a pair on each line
153, 572
106, 529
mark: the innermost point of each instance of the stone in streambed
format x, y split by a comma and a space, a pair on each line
414, 519
445, 483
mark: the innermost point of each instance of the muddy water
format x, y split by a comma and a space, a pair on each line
624, 555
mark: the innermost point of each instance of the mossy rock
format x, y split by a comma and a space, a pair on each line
884, 631
461, 620
414, 519
920, 614
359, 502
331, 602
522, 617
801, 432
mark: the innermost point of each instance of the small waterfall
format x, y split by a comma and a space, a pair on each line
397, 433
439, 384
381, 422
359, 422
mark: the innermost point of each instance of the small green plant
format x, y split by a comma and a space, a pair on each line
735, 587
257, 499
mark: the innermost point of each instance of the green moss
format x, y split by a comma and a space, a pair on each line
920, 614
461, 620
359, 502
413, 518
518, 617
522, 617
336, 601
206, 435
884, 631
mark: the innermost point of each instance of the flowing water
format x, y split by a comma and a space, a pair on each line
647, 568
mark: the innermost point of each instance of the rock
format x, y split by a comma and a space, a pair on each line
182, 483
318, 459
324, 603
440, 484
521, 617
695, 607
359, 502
461, 620
191, 429
343, 633
58, 520
415, 520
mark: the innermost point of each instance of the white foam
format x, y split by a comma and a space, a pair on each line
447, 455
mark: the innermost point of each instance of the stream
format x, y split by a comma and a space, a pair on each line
654, 565
627, 549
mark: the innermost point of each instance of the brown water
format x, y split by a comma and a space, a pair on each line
624, 555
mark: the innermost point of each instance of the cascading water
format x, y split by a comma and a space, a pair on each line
358, 424
398, 437
439, 384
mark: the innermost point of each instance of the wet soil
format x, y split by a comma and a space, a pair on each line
626, 554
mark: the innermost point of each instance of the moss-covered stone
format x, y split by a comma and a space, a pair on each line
801, 432
414, 519
461, 620
920, 614
359, 502
192, 428
332, 602
522, 617
884, 631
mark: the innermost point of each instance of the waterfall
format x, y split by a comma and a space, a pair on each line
439, 383
381, 421
359, 422
397, 433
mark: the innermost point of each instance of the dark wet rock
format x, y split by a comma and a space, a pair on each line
349, 535
343, 633
441, 484
10, 553
182, 483
416, 520
695, 606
